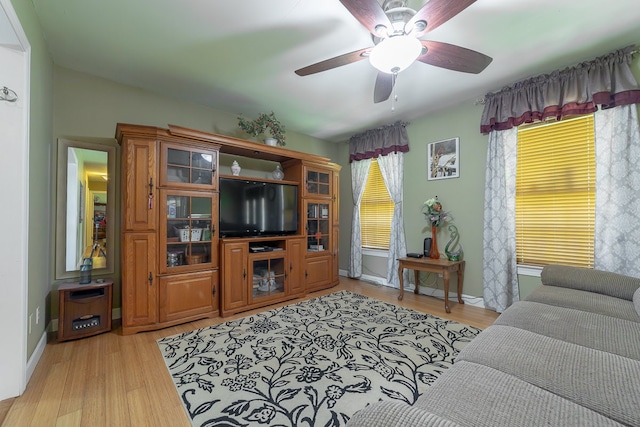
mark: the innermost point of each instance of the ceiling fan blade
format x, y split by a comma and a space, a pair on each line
335, 62
454, 57
369, 13
436, 13
384, 86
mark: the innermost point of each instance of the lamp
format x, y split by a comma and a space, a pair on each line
395, 53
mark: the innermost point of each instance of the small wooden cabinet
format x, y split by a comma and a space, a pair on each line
139, 184
268, 276
260, 271
235, 288
318, 229
188, 295
169, 242
85, 310
296, 266
188, 230
335, 254
189, 167
318, 182
139, 271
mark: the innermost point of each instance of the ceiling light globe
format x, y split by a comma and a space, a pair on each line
394, 54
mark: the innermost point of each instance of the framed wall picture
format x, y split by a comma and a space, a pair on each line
443, 159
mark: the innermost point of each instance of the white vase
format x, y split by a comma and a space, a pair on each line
235, 168
277, 174
271, 141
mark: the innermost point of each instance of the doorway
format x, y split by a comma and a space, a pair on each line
14, 172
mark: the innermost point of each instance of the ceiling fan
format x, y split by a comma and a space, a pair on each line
395, 30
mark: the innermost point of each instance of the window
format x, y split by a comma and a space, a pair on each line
555, 193
376, 211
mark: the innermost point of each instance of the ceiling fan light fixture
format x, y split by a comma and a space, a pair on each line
394, 54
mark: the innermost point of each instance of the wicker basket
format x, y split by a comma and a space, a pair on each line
196, 234
195, 259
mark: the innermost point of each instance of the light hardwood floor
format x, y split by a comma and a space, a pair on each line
115, 380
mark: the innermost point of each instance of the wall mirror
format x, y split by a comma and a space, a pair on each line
85, 205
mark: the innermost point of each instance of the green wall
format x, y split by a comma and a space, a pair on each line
86, 106
463, 196
69, 103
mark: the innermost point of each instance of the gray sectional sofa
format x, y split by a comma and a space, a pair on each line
568, 355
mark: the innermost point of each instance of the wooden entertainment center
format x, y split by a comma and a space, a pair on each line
175, 266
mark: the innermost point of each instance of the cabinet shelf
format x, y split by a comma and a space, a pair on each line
253, 178
188, 166
256, 279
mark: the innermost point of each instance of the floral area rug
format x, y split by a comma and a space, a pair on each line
314, 363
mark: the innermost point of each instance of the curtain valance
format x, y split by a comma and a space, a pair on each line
379, 142
606, 81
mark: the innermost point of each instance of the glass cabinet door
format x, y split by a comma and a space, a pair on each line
187, 166
267, 278
317, 226
318, 183
187, 231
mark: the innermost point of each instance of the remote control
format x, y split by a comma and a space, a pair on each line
414, 255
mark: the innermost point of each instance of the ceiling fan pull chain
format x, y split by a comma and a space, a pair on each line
394, 97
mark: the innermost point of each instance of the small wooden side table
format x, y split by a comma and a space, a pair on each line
442, 266
85, 310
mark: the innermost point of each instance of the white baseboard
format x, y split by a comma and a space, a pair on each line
437, 293
35, 356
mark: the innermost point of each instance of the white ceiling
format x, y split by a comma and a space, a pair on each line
240, 55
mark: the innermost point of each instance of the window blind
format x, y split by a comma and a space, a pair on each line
555, 193
376, 211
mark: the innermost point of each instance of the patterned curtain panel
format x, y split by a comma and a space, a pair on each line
387, 141
392, 170
359, 174
379, 142
605, 81
617, 227
499, 266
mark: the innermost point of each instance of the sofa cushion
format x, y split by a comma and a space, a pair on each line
588, 279
603, 382
636, 300
479, 396
585, 301
606, 333
396, 414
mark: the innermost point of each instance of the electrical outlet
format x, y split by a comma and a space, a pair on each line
440, 275
30, 319
37, 315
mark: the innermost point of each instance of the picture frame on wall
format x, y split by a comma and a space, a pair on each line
443, 159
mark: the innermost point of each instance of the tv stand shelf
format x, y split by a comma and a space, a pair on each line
253, 277
256, 179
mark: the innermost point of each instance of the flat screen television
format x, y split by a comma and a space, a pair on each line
255, 208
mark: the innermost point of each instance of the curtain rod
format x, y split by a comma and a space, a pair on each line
482, 100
